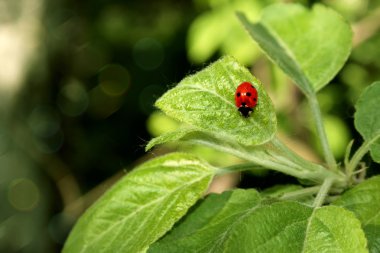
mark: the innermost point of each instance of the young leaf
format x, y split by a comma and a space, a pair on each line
364, 201
367, 118
309, 46
142, 206
205, 100
238, 222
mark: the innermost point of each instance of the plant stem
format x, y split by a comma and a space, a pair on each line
338, 176
357, 157
323, 192
290, 153
238, 168
347, 154
321, 133
300, 193
270, 158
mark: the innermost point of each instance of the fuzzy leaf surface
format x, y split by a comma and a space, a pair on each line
367, 118
142, 206
310, 46
205, 101
364, 201
238, 221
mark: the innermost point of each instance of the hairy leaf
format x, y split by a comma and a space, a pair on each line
309, 46
238, 222
364, 201
142, 206
204, 229
205, 100
367, 118
169, 137
334, 229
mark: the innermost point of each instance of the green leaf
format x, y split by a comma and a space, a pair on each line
205, 100
204, 229
364, 201
169, 137
367, 118
142, 206
334, 229
309, 46
237, 222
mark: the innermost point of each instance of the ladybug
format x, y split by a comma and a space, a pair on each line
246, 98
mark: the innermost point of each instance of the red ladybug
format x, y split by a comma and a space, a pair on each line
246, 98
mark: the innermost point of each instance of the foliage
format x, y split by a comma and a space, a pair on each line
139, 212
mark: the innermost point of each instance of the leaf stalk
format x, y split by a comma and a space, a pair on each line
321, 132
323, 192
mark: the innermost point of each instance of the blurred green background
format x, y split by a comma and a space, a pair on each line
78, 80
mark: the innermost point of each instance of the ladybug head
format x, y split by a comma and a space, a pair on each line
245, 111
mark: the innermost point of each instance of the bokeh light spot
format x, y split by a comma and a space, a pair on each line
44, 121
4, 143
148, 53
73, 99
338, 134
102, 105
114, 80
23, 194
50, 144
158, 123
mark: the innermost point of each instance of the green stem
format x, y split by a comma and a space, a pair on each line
316, 112
273, 159
238, 168
347, 154
357, 157
300, 193
301, 162
258, 157
290, 153
323, 192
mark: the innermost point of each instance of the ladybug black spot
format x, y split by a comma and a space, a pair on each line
238, 94
243, 104
254, 99
248, 94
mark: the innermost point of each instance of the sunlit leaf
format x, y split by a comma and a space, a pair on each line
310, 46
142, 206
367, 118
364, 201
238, 222
205, 100
334, 229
